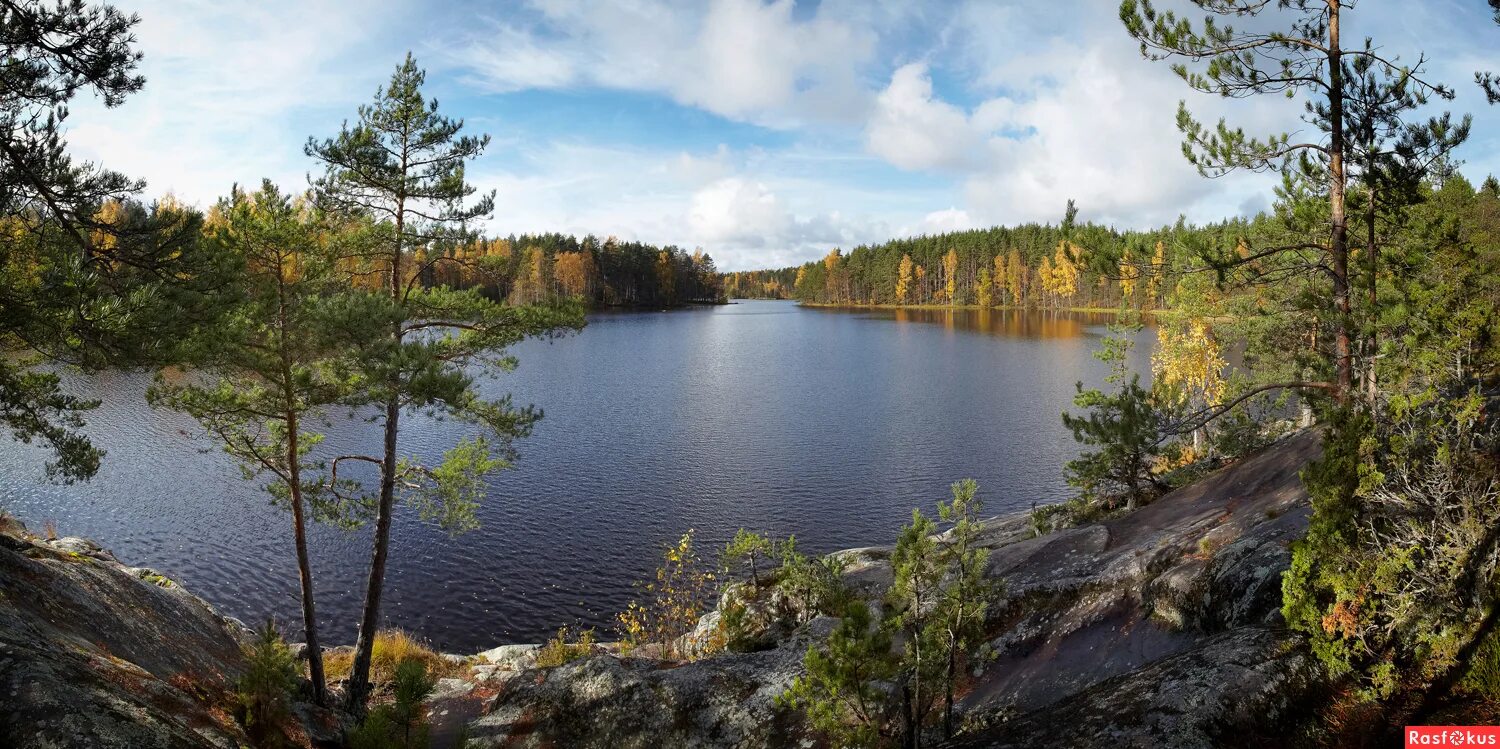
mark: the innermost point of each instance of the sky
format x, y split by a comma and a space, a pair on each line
764, 132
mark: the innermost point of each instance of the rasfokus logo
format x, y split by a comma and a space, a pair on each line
1441, 736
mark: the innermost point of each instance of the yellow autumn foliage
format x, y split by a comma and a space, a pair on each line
1189, 362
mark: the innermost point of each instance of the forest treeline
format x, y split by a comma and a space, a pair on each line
1032, 265
530, 268
1029, 265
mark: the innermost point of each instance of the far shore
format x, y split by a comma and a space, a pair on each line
967, 307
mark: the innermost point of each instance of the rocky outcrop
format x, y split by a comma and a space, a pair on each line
1092, 603
95, 654
1226, 691
1156, 628
724, 701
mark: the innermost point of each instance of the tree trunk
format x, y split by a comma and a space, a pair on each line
1374, 301
908, 722
358, 688
304, 568
1339, 245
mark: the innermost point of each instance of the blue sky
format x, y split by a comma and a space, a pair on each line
764, 132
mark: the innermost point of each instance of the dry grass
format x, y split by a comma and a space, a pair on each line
392, 646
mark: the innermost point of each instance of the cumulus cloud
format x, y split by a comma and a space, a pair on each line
912, 130
742, 59
748, 219
229, 88
737, 211
947, 220
1077, 116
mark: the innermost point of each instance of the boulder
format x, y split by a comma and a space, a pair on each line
511, 657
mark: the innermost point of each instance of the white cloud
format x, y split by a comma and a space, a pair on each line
1076, 116
947, 220
747, 210
737, 211
226, 85
742, 59
912, 130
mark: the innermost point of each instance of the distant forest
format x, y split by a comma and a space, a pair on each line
531, 268
1037, 265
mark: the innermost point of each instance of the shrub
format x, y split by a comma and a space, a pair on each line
271, 675
398, 724
845, 693
1394, 582
1241, 432
815, 585
680, 594
1483, 677
877, 681
747, 546
558, 650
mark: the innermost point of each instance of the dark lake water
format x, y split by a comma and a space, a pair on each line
828, 424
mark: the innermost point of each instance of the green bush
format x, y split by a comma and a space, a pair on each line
271, 675
398, 724
1483, 677
559, 650
815, 585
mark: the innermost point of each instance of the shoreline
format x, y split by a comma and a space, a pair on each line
964, 307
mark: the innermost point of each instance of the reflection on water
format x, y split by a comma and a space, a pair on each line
828, 424
1006, 322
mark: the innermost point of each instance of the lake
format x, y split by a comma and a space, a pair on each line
827, 424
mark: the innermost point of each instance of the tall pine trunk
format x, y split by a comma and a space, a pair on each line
1339, 244
299, 521
1374, 301
304, 569
358, 688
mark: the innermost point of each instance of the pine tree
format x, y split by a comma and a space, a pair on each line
1125, 425
51, 54
1305, 55
1488, 81
999, 277
401, 167
749, 546
273, 365
843, 692
913, 599
87, 278
967, 592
